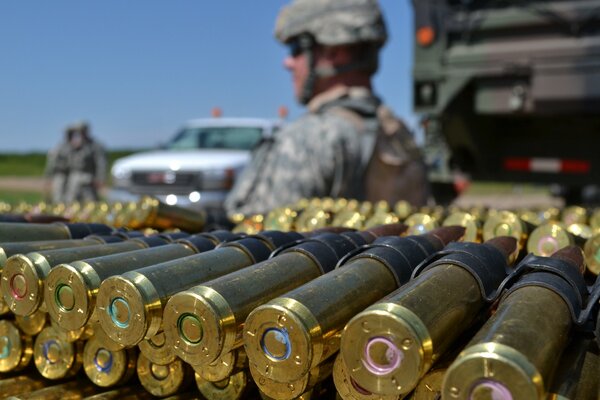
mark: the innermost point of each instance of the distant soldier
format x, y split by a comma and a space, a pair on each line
77, 166
348, 144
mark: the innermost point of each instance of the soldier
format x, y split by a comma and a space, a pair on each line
348, 144
77, 166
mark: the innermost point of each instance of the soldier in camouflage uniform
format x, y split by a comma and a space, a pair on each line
77, 166
334, 46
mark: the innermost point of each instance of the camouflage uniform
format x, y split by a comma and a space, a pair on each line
57, 169
87, 170
327, 151
76, 171
318, 155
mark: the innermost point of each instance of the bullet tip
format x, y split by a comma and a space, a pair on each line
508, 245
447, 234
329, 229
387, 230
573, 255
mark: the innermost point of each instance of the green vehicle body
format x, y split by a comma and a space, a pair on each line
511, 89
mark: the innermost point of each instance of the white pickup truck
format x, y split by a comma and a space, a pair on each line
197, 167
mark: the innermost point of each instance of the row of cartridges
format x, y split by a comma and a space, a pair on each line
473, 306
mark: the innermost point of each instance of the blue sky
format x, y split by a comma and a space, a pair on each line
138, 69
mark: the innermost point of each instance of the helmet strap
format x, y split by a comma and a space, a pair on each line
308, 90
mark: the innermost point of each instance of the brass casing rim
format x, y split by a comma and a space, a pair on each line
236, 385
218, 325
84, 283
548, 231
144, 308
33, 324
471, 224
167, 386
69, 362
123, 361
591, 250
34, 268
518, 227
4, 309
488, 361
3, 258
280, 390
162, 355
103, 338
405, 330
346, 389
424, 221
225, 366
21, 348
304, 334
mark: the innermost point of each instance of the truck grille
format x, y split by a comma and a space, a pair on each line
164, 179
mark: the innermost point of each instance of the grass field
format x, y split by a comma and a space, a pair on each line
26, 170
32, 164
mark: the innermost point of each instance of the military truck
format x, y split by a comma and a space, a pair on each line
510, 88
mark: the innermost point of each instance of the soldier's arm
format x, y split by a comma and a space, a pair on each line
50, 163
100, 161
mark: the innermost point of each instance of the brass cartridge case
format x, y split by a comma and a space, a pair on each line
227, 365
391, 345
507, 223
574, 215
473, 226
430, 386
152, 213
514, 354
3, 307
16, 349
24, 275
550, 237
72, 288
591, 250
291, 334
83, 333
163, 380
32, 324
72, 390
20, 384
281, 219
55, 357
204, 322
419, 223
293, 389
27, 232
231, 388
533, 217
103, 338
594, 221
403, 209
106, 368
576, 376
381, 218
580, 230
313, 218
11, 248
144, 292
347, 387
156, 349
124, 393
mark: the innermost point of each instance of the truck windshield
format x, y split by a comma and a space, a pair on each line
237, 138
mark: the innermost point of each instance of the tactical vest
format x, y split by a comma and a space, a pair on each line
392, 163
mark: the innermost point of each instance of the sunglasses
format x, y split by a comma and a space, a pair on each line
300, 45
295, 48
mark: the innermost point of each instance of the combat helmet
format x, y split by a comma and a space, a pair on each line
305, 23
332, 22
